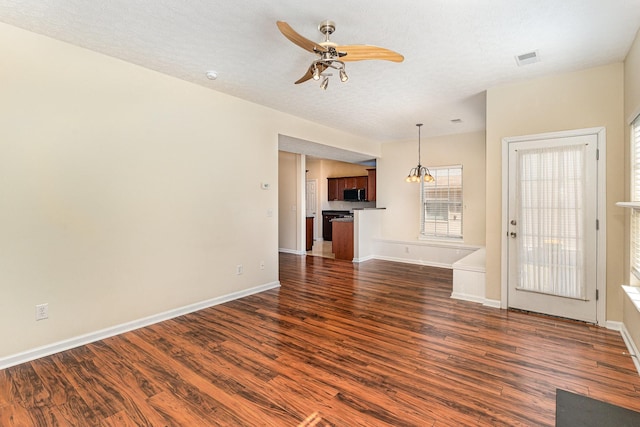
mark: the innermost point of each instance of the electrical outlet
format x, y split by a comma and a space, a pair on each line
261, 265
42, 311
239, 269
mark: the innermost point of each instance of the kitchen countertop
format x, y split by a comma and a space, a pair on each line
336, 212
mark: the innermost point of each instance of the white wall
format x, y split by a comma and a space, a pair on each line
367, 228
126, 193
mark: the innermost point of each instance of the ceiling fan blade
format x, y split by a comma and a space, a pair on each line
361, 52
309, 74
296, 38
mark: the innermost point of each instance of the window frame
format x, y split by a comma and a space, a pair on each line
449, 201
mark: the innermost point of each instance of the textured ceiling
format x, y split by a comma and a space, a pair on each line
454, 50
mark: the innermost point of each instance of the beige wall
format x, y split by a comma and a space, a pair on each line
632, 81
631, 109
335, 169
127, 193
402, 200
583, 99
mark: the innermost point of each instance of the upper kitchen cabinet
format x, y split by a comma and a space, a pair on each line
371, 185
350, 182
336, 186
332, 190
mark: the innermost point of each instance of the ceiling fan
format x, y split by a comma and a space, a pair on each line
331, 55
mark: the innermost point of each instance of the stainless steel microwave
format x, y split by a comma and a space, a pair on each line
354, 195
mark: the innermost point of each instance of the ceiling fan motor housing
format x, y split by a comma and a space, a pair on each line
327, 27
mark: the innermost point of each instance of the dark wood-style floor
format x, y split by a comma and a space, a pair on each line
375, 344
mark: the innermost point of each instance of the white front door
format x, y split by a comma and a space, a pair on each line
552, 238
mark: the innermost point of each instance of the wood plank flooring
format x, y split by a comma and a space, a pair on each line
374, 344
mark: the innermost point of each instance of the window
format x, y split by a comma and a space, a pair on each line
442, 203
635, 197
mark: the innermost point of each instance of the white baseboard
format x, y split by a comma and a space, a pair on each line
631, 346
68, 344
614, 326
367, 258
467, 297
292, 251
474, 298
492, 303
412, 261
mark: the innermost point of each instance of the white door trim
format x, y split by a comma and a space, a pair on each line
601, 268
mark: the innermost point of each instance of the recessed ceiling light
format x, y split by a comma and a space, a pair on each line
212, 75
528, 58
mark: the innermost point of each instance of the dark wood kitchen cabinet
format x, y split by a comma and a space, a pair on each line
336, 186
362, 182
371, 185
350, 182
343, 240
332, 189
341, 188
309, 230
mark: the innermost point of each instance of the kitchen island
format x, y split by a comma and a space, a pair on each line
343, 238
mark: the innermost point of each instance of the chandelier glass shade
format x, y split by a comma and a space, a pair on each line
419, 173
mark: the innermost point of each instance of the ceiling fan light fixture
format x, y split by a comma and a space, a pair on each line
324, 83
343, 75
332, 55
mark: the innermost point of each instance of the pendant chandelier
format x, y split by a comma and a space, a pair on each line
419, 173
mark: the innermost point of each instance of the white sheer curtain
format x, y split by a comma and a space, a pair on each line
551, 187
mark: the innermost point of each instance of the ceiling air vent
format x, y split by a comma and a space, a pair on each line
528, 58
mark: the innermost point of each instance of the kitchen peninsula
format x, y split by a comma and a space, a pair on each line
343, 238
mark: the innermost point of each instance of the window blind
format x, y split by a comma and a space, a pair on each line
442, 203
